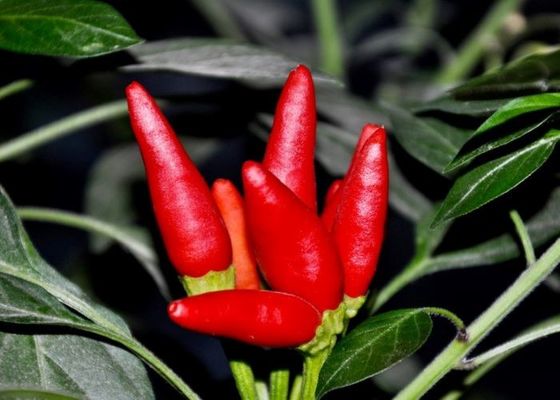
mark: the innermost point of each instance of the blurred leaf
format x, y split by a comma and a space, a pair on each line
429, 140
73, 28
31, 394
56, 363
532, 74
348, 111
132, 238
35, 293
491, 180
542, 227
403, 197
217, 14
373, 346
464, 159
475, 108
218, 58
519, 106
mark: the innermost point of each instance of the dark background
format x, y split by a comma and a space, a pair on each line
56, 176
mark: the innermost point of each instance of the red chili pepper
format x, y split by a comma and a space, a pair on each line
294, 251
231, 207
263, 318
291, 145
331, 204
360, 218
193, 231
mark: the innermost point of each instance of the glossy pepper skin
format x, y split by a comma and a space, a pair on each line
193, 231
290, 150
230, 203
334, 194
360, 218
258, 317
294, 251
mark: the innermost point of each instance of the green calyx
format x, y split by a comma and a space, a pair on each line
211, 282
353, 305
325, 336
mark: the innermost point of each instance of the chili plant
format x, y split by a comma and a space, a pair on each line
285, 202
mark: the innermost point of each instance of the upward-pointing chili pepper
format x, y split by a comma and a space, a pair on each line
333, 195
193, 231
290, 150
360, 217
230, 204
259, 317
294, 251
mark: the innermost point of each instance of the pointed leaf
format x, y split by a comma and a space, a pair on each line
429, 140
464, 159
373, 346
217, 58
491, 180
73, 28
519, 106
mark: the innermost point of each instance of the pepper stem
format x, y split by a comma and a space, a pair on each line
244, 380
311, 368
279, 384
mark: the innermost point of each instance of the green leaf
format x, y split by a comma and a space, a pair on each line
35, 293
218, 58
429, 140
519, 106
447, 103
373, 346
532, 74
73, 28
491, 180
466, 158
542, 227
74, 365
132, 238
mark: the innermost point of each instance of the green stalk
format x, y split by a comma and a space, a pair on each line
473, 48
279, 384
61, 128
244, 380
311, 367
483, 325
330, 39
15, 87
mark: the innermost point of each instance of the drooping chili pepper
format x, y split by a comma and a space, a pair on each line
193, 231
290, 150
329, 210
259, 317
360, 218
294, 251
230, 204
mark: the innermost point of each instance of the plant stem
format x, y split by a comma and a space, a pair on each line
311, 368
524, 237
442, 312
15, 87
483, 325
473, 48
295, 393
279, 384
330, 40
244, 380
60, 128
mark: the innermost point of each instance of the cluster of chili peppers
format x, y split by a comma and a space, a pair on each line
314, 265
